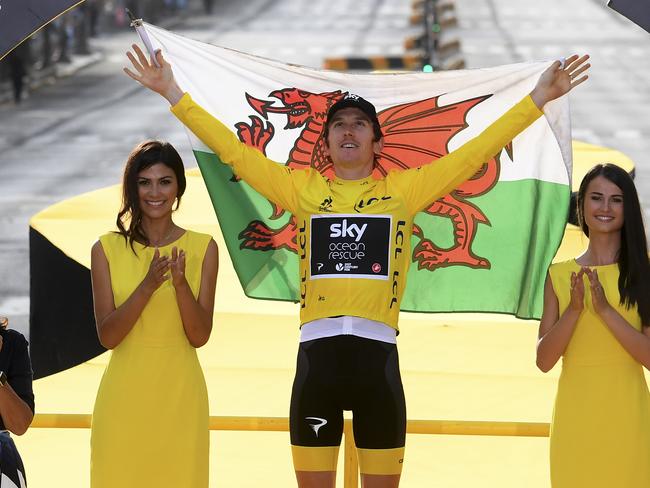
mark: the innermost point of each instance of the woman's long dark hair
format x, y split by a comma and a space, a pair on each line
143, 156
633, 263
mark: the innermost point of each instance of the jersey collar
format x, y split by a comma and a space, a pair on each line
353, 183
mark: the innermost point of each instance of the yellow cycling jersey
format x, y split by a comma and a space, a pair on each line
354, 236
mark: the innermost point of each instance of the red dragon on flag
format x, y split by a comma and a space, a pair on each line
415, 133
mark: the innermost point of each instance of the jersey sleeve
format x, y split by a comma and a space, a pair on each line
274, 181
423, 185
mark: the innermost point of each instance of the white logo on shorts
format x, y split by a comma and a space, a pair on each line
318, 425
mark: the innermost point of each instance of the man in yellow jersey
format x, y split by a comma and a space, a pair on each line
354, 234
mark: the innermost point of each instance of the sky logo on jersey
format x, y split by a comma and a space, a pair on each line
347, 230
350, 246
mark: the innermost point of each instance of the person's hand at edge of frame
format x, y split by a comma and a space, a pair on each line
160, 80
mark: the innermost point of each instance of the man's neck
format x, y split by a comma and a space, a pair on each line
357, 172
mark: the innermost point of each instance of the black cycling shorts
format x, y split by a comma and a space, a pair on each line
340, 373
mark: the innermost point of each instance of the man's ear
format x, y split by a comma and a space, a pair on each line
326, 148
378, 146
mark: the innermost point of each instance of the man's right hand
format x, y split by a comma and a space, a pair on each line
158, 79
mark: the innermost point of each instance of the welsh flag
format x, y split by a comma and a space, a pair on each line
485, 247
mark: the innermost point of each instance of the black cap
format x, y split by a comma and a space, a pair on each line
352, 100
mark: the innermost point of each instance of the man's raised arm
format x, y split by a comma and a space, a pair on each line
274, 181
424, 185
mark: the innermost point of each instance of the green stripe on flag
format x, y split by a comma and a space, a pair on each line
527, 220
262, 274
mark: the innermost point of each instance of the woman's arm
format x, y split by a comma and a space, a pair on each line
113, 324
16, 414
17, 406
555, 332
636, 343
196, 313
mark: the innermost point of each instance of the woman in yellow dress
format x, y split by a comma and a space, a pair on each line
596, 317
153, 290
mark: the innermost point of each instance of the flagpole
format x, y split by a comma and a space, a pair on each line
144, 37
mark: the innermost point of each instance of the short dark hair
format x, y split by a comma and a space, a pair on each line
143, 156
633, 263
354, 101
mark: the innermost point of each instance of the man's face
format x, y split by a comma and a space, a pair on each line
350, 141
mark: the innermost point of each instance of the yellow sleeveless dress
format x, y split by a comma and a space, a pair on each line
600, 434
150, 422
